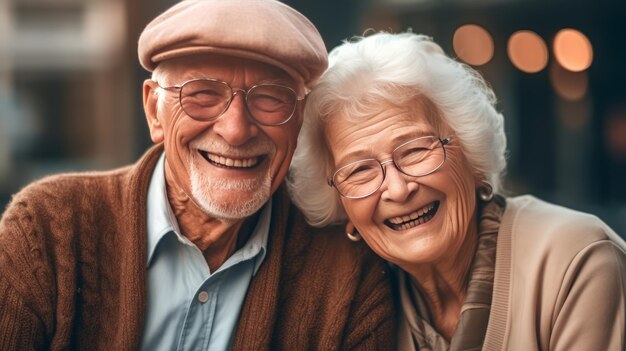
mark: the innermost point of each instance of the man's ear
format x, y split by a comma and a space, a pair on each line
300, 110
150, 103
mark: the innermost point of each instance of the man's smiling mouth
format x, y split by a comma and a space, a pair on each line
414, 219
232, 163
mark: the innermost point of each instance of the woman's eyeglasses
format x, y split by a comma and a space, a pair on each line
415, 158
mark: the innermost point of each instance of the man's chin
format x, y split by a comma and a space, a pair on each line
231, 204
231, 211
229, 198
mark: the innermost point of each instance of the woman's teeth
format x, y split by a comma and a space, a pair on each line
234, 163
414, 219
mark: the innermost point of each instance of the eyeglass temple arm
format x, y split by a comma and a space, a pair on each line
174, 87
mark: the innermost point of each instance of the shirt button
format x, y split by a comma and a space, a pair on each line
203, 296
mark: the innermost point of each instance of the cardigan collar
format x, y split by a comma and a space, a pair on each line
258, 315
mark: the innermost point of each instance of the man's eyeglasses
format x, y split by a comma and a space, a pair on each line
415, 158
207, 99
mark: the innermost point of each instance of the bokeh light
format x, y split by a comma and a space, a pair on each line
572, 50
473, 44
568, 85
527, 51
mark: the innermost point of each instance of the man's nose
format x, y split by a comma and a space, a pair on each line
236, 125
397, 187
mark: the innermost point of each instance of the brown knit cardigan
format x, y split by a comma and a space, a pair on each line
73, 273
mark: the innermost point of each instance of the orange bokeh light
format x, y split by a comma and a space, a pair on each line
527, 51
572, 50
473, 44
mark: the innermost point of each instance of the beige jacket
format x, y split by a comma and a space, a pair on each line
560, 281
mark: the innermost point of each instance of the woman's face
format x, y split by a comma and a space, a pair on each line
444, 201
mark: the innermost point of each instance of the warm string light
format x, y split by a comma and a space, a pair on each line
473, 44
572, 50
528, 52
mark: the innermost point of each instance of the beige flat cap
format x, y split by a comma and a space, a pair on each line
262, 30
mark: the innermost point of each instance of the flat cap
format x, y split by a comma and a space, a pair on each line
262, 30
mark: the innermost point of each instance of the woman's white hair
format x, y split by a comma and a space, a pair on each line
400, 70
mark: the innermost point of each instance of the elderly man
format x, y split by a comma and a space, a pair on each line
195, 246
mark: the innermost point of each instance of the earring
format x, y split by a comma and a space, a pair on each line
485, 192
352, 233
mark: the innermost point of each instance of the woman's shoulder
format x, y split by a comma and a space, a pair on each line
557, 269
540, 226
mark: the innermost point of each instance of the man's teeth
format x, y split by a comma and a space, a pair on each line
229, 162
413, 216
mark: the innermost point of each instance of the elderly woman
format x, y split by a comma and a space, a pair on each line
404, 143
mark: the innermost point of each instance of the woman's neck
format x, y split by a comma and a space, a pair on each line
444, 283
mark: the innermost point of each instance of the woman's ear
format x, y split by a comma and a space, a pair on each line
150, 107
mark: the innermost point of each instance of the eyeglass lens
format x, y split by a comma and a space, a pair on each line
416, 158
267, 103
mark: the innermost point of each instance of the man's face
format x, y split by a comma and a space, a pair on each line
230, 166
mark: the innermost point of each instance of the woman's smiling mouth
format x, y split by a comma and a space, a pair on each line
414, 219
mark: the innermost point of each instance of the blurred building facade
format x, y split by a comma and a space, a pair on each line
70, 86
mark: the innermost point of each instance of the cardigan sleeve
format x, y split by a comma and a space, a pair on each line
20, 329
26, 280
591, 309
20, 286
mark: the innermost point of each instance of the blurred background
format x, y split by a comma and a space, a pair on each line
70, 84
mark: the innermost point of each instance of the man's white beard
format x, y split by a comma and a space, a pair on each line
203, 189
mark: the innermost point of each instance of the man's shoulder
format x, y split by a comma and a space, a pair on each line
328, 250
93, 187
54, 211
67, 189
331, 291
332, 238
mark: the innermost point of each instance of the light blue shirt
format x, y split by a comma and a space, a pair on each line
189, 307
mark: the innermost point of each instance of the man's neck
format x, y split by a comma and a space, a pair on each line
217, 238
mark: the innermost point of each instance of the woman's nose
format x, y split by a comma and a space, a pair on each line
397, 186
236, 125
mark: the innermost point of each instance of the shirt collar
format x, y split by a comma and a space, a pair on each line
161, 221
160, 218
